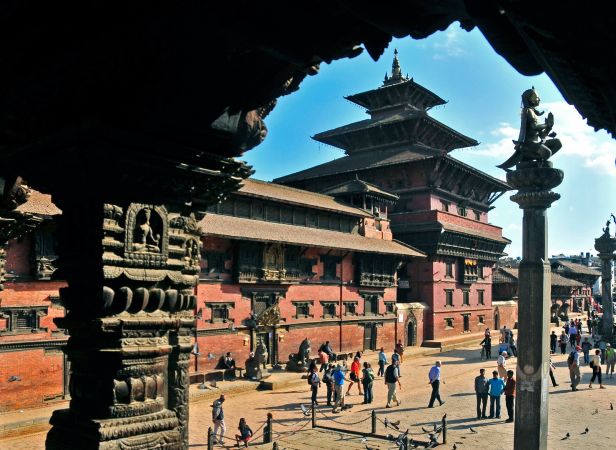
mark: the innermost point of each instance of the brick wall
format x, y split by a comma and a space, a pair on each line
41, 378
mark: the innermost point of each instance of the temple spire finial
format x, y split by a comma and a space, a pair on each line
396, 71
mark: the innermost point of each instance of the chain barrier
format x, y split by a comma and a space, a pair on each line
344, 423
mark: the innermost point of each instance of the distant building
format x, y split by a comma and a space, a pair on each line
281, 264
33, 369
443, 206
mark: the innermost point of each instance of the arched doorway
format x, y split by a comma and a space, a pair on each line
496, 319
411, 331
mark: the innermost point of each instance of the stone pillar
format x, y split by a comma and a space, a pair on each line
606, 245
533, 181
131, 271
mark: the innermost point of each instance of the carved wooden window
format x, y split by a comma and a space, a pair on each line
302, 309
242, 208
371, 305
390, 307
480, 298
469, 270
25, 320
482, 320
220, 311
350, 308
329, 267
480, 273
329, 310
311, 219
466, 301
449, 269
20, 320
466, 319
215, 263
462, 211
449, 323
300, 217
226, 208
272, 213
477, 215
448, 297
445, 206
286, 215
257, 210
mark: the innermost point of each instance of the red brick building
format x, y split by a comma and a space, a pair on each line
443, 203
33, 370
306, 264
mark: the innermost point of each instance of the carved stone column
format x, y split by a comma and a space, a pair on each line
606, 245
131, 271
533, 181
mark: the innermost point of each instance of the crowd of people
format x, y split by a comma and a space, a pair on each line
325, 370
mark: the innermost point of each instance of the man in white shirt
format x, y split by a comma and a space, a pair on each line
574, 367
501, 363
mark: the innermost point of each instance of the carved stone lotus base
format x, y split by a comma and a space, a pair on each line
158, 430
534, 179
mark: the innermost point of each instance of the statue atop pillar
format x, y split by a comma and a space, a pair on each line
533, 143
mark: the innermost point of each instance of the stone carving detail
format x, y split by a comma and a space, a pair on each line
130, 356
300, 361
256, 363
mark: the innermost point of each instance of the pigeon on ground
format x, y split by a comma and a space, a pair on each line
596, 411
566, 437
14, 378
304, 410
211, 356
585, 431
473, 430
454, 446
363, 440
611, 406
389, 423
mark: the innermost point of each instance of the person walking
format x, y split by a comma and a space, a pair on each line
435, 380
486, 345
512, 345
509, 395
324, 360
218, 418
610, 360
496, 388
392, 378
586, 346
245, 433
367, 380
399, 349
315, 384
573, 361
564, 340
501, 365
328, 379
572, 335
382, 362
354, 376
602, 348
595, 363
338, 388
553, 340
481, 392
552, 377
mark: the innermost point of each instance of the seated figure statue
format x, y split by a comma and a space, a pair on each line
255, 364
228, 364
300, 361
532, 143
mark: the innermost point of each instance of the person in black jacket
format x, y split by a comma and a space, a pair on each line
487, 346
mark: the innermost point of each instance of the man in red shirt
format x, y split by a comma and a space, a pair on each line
509, 395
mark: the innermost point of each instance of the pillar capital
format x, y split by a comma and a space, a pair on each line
534, 181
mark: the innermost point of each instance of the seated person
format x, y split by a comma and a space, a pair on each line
245, 433
229, 362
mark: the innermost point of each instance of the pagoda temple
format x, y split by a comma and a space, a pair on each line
442, 208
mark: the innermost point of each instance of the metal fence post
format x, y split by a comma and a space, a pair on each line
267, 431
374, 421
275, 446
407, 443
209, 438
314, 418
444, 425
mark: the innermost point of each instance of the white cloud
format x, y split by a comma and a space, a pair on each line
513, 227
449, 44
596, 149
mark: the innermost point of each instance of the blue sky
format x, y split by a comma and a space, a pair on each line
483, 94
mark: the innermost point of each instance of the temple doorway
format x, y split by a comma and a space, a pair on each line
370, 336
496, 320
411, 332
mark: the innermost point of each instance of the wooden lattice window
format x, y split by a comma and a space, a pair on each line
329, 310
480, 297
350, 308
220, 311
449, 323
390, 307
466, 300
448, 297
302, 309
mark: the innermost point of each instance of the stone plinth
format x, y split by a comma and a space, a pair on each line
533, 181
